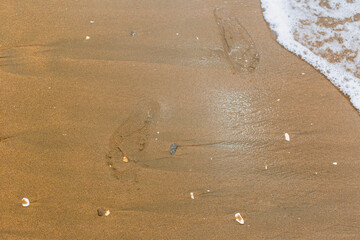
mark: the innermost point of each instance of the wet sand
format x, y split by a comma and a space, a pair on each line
72, 108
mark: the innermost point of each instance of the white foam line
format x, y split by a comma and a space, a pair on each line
277, 15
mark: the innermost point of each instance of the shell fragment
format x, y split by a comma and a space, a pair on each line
25, 202
107, 213
239, 218
192, 195
287, 137
125, 159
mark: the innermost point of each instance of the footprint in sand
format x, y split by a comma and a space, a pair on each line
238, 44
131, 140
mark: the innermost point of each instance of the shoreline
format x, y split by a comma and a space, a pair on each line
70, 103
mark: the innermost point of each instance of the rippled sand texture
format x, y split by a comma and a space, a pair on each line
73, 107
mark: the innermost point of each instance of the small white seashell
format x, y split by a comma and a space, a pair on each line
107, 213
266, 167
287, 137
335, 163
177, 34
92, 21
239, 218
87, 37
25, 202
192, 195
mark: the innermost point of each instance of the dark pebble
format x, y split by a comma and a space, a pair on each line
173, 148
101, 212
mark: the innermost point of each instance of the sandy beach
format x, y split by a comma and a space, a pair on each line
86, 83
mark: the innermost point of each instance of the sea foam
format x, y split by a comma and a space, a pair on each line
326, 34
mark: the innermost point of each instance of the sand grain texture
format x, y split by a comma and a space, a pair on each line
66, 102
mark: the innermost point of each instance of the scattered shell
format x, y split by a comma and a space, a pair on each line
133, 33
125, 159
266, 167
192, 195
107, 213
87, 37
239, 218
287, 137
25, 202
92, 21
335, 163
197, 38
278, 99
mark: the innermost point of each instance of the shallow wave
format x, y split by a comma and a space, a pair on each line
324, 33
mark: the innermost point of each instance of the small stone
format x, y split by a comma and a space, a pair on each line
125, 159
141, 146
101, 212
133, 33
173, 148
